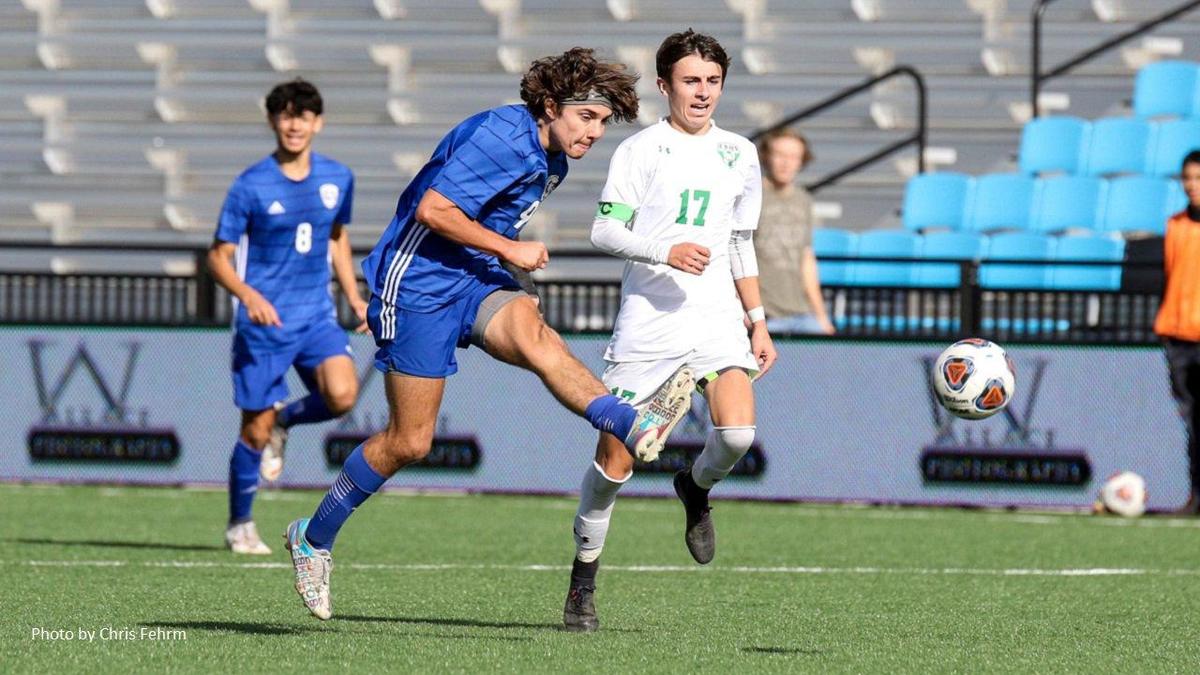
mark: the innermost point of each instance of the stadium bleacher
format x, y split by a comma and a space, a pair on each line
151, 70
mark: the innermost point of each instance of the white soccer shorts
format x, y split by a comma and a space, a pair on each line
636, 381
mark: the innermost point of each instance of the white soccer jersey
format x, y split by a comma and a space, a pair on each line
681, 188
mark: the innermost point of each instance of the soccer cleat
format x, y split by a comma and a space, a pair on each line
312, 567
579, 613
658, 416
699, 535
243, 538
271, 465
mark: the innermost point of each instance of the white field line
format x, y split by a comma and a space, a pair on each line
852, 511
672, 569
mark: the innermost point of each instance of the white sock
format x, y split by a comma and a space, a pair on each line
596, 499
723, 448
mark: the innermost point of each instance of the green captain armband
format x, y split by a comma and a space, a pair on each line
615, 211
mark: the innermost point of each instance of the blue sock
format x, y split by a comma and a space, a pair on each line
352, 487
243, 481
611, 414
308, 410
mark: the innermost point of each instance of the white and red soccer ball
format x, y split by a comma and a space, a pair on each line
1124, 494
974, 379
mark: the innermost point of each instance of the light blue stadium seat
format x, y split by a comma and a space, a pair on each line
1088, 277
1017, 246
885, 244
1135, 204
1164, 88
999, 201
1051, 144
947, 245
833, 242
1065, 203
1170, 143
1116, 145
1000, 276
935, 200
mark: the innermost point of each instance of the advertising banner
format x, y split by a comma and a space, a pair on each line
838, 420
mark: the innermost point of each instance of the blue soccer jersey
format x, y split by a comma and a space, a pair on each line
493, 167
282, 228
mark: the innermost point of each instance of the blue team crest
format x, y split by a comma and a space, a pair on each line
329, 195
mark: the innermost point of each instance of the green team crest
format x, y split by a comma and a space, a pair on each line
729, 153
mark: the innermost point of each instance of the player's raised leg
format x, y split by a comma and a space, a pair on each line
731, 404
241, 534
413, 403
328, 374
515, 333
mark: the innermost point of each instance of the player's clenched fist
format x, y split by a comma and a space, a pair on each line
260, 310
529, 255
688, 257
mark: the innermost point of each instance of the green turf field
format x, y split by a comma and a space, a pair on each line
470, 583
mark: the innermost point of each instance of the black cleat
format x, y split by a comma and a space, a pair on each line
700, 536
579, 614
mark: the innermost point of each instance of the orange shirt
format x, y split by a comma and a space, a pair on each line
1179, 314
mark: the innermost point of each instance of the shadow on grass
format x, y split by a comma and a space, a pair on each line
468, 623
104, 543
244, 627
782, 651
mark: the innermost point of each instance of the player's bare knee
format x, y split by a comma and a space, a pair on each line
544, 347
256, 436
406, 448
613, 458
340, 399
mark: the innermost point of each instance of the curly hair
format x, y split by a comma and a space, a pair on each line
576, 73
680, 45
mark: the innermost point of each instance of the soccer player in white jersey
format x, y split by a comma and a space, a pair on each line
680, 205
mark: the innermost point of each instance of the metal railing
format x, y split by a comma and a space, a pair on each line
917, 137
1037, 77
1012, 314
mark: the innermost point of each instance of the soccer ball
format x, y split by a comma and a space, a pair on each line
1124, 494
973, 379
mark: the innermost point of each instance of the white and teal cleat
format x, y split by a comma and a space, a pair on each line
658, 416
312, 567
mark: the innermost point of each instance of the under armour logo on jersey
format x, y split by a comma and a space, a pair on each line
275, 208
664, 149
329, 195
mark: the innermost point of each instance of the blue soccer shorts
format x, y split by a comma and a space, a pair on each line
425, 342
260, 373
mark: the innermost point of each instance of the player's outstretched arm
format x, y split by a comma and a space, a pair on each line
258, 308
444, 217
343, 268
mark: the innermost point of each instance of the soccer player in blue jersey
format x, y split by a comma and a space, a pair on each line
437, 284
284, 220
